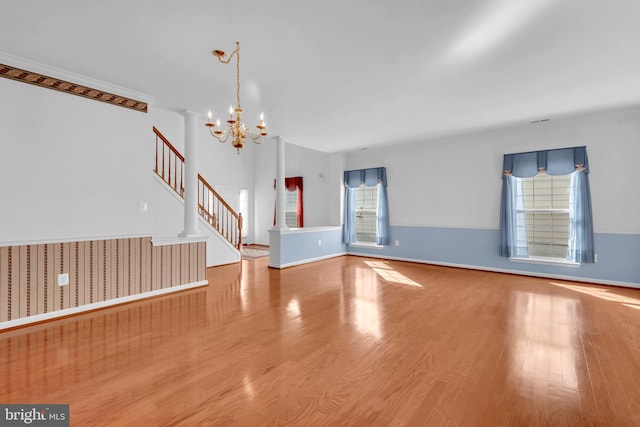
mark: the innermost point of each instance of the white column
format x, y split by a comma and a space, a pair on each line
190, 175
280, 190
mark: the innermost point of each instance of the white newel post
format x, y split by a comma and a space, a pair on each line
190, 175
280, 190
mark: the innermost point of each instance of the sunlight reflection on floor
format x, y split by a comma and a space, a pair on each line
366, 304
390, 275
544, 352
605, 294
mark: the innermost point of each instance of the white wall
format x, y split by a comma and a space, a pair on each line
72, 168
219, 164
264, 196
314, 167
455, 181
171, 125
226, 170
319, 182
168, 223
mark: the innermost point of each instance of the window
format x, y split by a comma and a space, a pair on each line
546, 202
291, 208
366, 209
366, 213
545, 208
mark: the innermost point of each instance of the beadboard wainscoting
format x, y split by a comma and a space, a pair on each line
100, 272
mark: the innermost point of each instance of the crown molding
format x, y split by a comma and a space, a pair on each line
85, 86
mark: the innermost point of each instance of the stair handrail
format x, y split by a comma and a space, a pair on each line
211, 206
172, 156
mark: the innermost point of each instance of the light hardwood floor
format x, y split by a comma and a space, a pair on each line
347, 341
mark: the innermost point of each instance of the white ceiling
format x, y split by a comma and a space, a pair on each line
341, 75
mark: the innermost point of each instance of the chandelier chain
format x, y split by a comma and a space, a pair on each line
238, 74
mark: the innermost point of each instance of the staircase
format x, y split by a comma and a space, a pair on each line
213, 208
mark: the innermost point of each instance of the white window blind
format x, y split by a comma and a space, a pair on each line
546, 202
291, 208
366, 213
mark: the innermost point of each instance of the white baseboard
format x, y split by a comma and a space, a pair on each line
96, 305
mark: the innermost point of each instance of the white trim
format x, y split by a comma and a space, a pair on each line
166, 241
166, 187
97, 305
306, 229
626, 233
306, 261
79, 79
73, 239
462, 227
156, 241
547, 261
508, 271
365, 245
486, 227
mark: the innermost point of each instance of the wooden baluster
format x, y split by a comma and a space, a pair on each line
156, 168
199, 197
224, 223
168, 180
218, 216
209, 213
163, 145
175, 173
236, 241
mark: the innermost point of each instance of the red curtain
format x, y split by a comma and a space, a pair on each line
291, 184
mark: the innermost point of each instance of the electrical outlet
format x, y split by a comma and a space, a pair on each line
319, 242
396, 243
595, 258
63, 279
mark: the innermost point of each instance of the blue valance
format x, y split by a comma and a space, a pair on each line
561, 161
369, 177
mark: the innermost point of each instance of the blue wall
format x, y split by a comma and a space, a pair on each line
618, 254
293, 247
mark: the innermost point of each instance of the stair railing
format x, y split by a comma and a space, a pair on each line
213, 208
169, 163
217, 212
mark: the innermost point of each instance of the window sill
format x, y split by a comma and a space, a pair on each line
547, 261
366, 245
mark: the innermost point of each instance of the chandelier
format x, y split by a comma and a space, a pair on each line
235, 128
